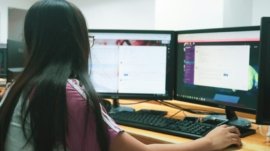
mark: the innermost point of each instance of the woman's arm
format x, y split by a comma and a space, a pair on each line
219, 138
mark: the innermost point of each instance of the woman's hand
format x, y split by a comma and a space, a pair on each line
224, 136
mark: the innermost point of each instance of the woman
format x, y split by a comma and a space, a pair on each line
53, 106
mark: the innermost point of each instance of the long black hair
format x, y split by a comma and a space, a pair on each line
57, 49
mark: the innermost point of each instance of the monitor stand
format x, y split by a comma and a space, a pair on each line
231, 118
117, 108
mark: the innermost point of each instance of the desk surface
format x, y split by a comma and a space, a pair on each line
254, 142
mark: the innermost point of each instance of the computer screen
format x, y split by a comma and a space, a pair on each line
15, 58
263, 108
135, 64
219, 67
15, 54
3, 60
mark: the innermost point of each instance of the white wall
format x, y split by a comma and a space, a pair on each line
118, 14
172, 14
157, 14
260, 8
237, 13
16, 19
100, 14
4, 4
188, 14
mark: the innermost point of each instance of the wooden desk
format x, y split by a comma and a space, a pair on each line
254, 142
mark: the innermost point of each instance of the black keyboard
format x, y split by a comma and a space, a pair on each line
189, 127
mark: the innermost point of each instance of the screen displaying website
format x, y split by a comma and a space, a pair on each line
220, 67
129, 63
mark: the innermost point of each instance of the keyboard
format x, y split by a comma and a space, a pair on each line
189, 127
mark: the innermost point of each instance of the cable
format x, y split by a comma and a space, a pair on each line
136, 102
175, 113
194, 111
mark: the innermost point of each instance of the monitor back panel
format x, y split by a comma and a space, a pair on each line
263, 109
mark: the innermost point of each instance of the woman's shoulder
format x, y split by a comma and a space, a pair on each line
75, 92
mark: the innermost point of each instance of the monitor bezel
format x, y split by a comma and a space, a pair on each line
208, 103
263, 112
169, 67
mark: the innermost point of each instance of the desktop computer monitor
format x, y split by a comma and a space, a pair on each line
133, 64
15, 42
263, 108
3, 60
15, 58
219, 67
